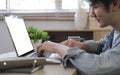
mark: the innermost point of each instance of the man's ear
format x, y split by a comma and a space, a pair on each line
116, 3
119, 3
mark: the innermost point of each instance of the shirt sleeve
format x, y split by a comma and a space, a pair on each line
101, 45
94, 46
92, 64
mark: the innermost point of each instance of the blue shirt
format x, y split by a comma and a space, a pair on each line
104, 59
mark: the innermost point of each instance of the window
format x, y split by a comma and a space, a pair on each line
2, 4
32, 4
37, 5
49, 8
69, 4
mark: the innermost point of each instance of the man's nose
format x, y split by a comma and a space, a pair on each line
91, 13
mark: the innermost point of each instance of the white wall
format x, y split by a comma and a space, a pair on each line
6, 43
53, 25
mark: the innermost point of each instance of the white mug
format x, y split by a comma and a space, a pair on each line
77, 38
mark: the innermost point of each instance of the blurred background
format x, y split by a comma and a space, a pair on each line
57, 17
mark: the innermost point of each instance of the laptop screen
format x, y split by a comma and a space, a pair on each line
19, 35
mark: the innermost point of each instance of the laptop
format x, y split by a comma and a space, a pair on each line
24, 62
19, 35
21, 40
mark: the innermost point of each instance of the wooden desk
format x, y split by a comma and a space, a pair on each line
49, 70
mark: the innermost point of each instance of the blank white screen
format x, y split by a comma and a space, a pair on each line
19, 35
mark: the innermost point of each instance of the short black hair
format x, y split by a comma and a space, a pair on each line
105, 2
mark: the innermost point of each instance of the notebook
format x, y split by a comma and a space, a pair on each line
21, 64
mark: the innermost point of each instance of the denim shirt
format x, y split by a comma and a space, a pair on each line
105, 61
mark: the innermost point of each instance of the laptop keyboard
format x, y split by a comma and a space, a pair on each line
34, 55
46, 54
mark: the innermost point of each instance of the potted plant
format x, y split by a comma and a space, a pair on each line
36, 34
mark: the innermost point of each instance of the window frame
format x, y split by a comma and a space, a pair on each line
58, 14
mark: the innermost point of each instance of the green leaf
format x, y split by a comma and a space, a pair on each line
36, 33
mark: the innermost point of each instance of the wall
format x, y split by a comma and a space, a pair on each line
53, 25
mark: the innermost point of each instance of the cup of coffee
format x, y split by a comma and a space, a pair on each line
77, 38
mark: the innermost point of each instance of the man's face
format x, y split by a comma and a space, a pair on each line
101, 15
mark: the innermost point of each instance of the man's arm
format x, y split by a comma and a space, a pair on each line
94, 47
89, 46
93, 64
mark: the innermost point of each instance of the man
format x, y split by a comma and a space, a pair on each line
94, 57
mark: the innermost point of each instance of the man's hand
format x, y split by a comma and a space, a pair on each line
76, 44
71, 43
52, 47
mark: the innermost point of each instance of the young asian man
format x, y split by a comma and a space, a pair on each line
93, 57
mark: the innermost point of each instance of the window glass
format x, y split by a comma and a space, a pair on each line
73, 4
69, 4
31, 4
84, 5
2, 4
